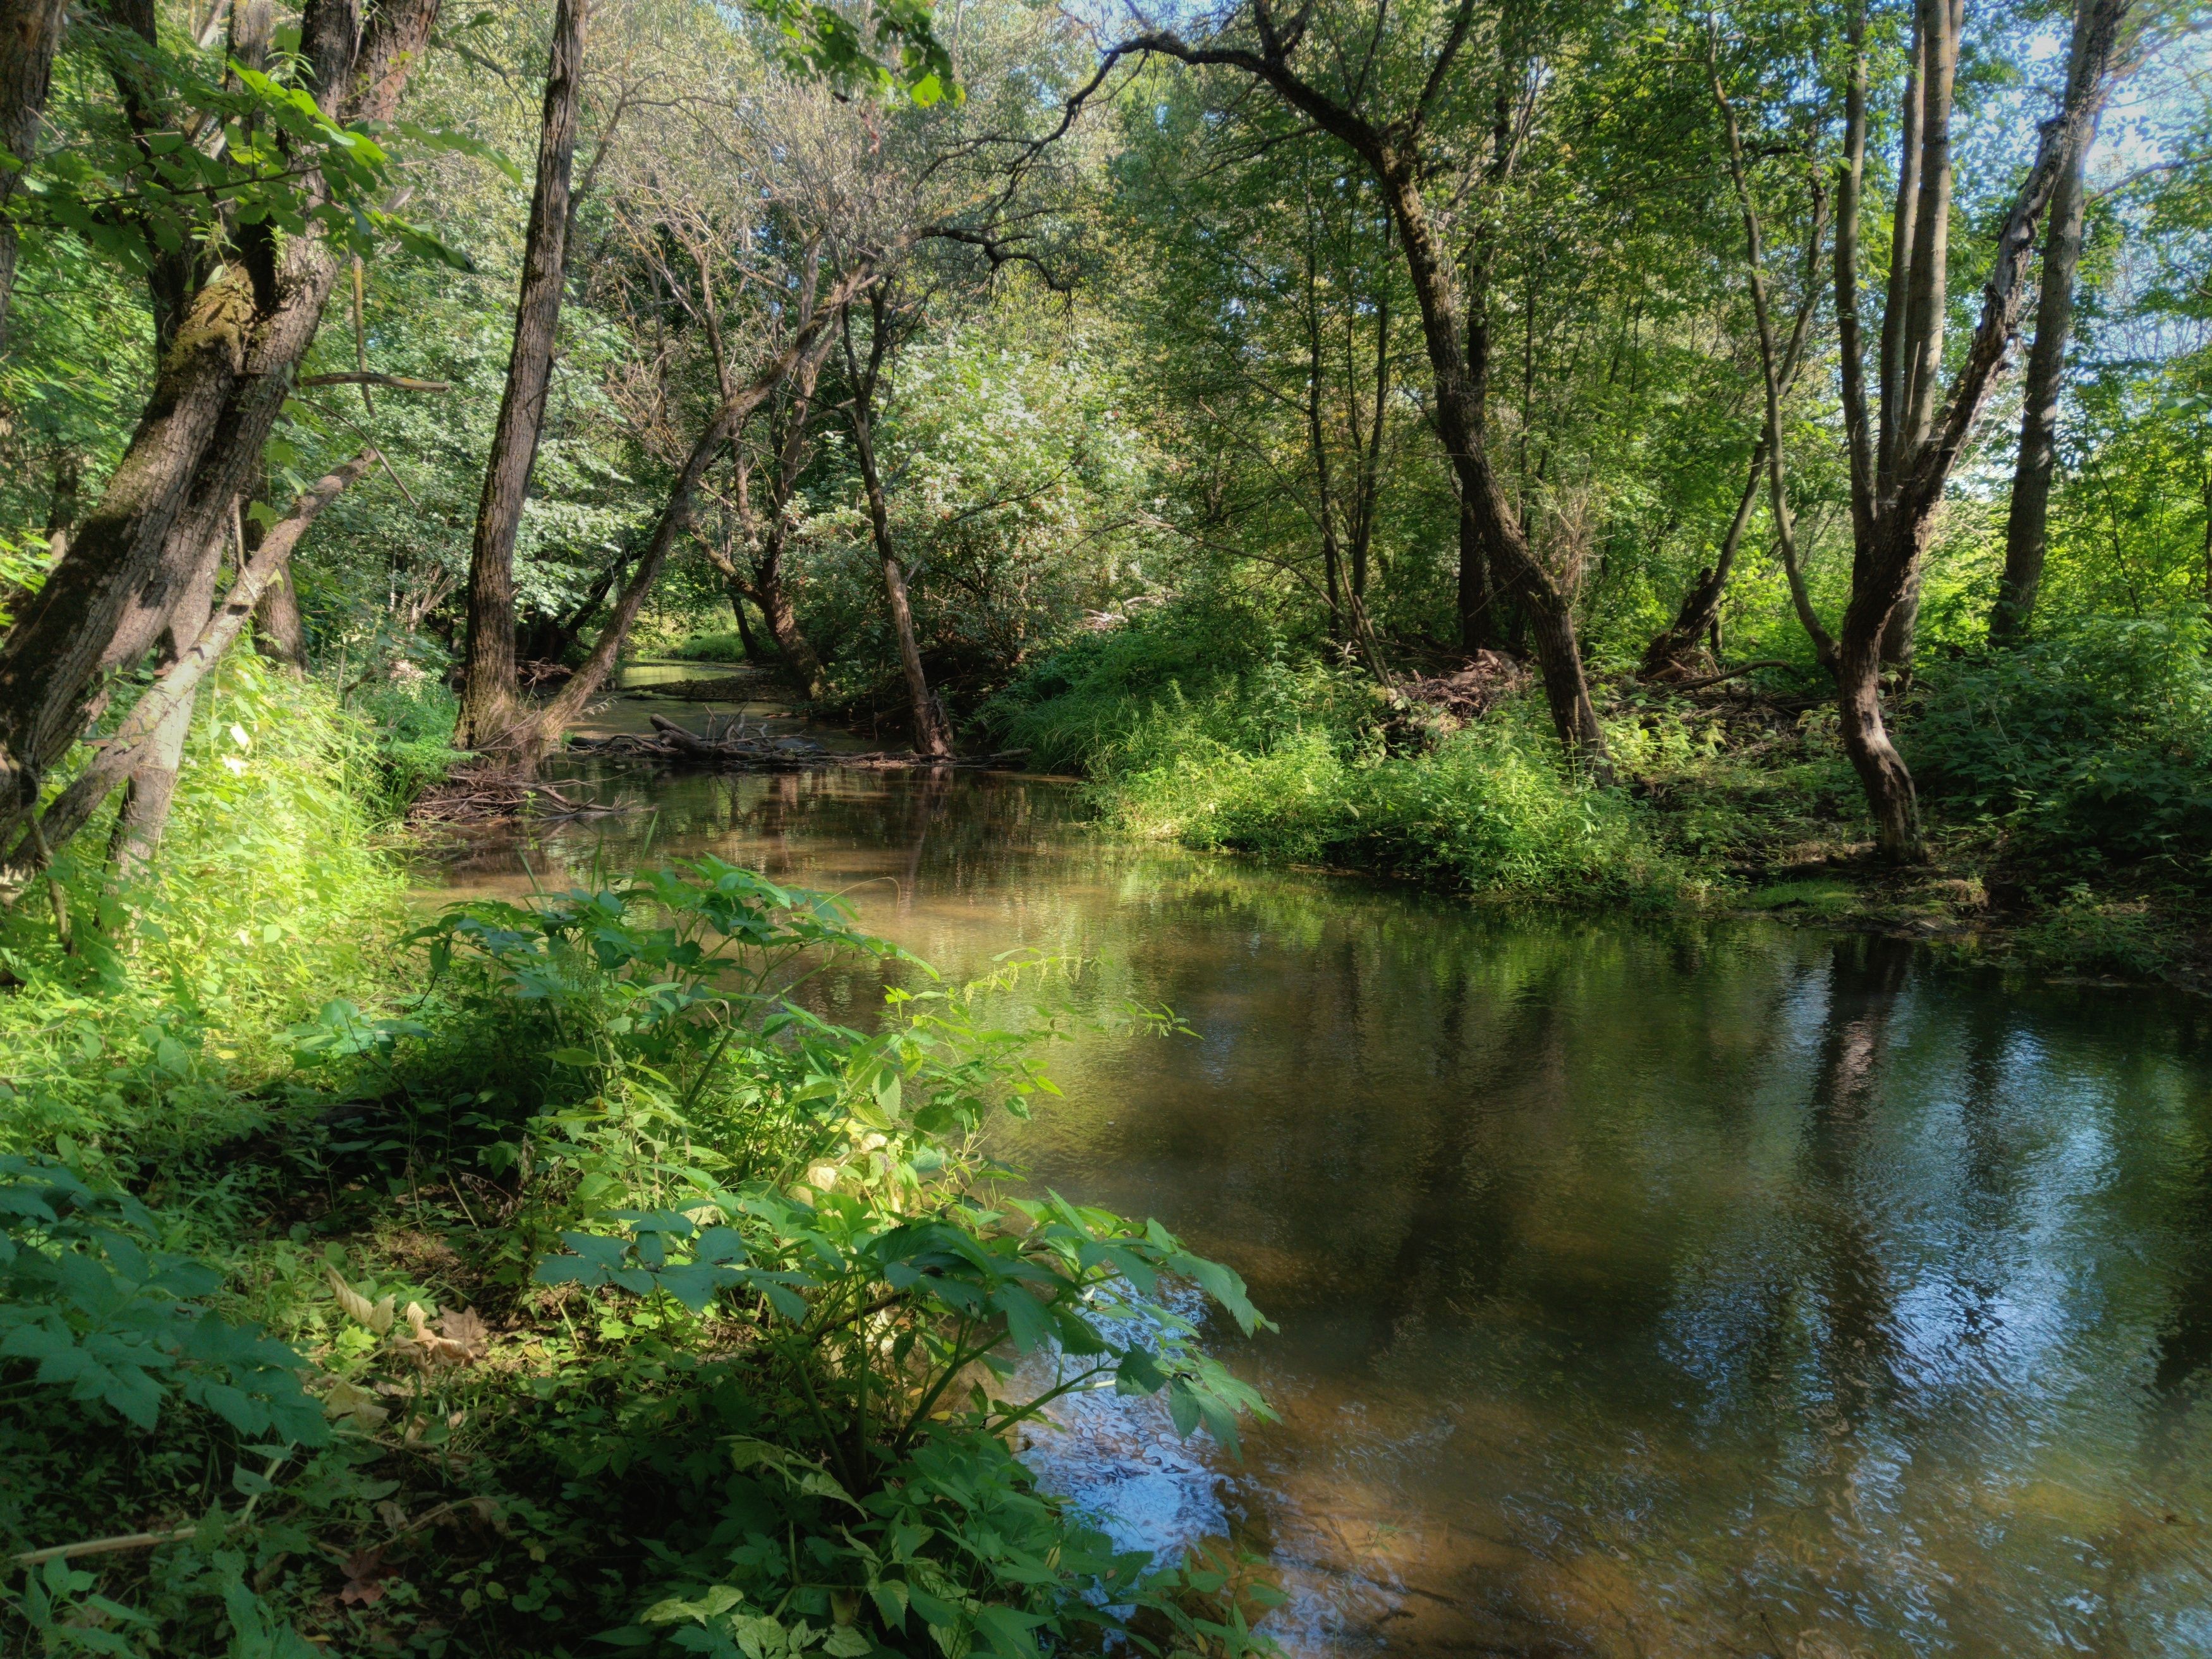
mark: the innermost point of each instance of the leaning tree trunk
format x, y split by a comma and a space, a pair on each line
2027, 528
151, 787
178, 684
772, 592
216, 396
29, 30
1512, 564
490, 700
544, 729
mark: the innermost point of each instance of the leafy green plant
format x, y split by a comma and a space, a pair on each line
2096, 735
710, 647
96, 1311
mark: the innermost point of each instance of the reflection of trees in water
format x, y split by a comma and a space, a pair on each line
1850, 1282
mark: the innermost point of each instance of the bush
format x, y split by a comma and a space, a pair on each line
2094, 738
1086, 696
1289, 764
413, 719
710, 647
718, 1281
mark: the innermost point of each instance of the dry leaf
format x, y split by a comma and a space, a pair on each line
465, 1327
426, 1347
350, 1399
376, 1316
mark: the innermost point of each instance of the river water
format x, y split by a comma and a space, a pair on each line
1712, 1289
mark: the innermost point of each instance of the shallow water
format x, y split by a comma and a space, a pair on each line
1709, 1290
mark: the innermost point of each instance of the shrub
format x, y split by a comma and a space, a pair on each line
2096, 737
412, 719
1088, 694
710, 647
743, 1268
1288, 764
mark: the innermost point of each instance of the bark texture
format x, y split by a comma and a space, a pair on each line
29, 30
491, 701
215, 396
153, 713
2027, 525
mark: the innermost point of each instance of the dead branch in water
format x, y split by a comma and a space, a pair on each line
731, 746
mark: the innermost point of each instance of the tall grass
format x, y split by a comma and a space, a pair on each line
274, 885
1196, 724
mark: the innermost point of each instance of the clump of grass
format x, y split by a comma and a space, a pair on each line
1291, 765
273, 887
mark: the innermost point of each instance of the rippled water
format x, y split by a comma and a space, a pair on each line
1710, 1290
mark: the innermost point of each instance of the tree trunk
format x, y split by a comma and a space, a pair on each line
152, 784
1477, 620
278, 633
1670, 652
29, 30
2027, 527
1550, 616
216, 396
62, 503
773, 594
179, 684
529, 743
491, 701
746, 640
1881, 770
932, 736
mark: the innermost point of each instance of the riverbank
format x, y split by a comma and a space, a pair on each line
532, 1278
2066, 788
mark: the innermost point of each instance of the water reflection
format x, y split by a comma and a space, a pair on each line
1725, 1290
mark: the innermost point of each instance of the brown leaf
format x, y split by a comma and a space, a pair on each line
467, 1328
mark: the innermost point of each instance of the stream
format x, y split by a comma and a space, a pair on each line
1709, 1288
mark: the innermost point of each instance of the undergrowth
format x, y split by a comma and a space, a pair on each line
542, 1280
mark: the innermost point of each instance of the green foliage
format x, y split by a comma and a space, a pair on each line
2096, 735
272, 886
1072, 705
121, 1326
412, 718
710, 647
770, 1320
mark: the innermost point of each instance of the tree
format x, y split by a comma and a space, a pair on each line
490, 701
29, 30
2027, 525
216, 396
1901, 460
1391, 141
932, 736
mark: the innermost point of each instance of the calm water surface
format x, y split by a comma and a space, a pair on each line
1722, 1290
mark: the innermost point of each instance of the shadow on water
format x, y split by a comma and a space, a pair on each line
1709, 1290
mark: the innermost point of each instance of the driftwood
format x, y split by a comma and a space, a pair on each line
490, 798
733, 746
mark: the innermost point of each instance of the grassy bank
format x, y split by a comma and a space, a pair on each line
2067, 785
538, 1280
